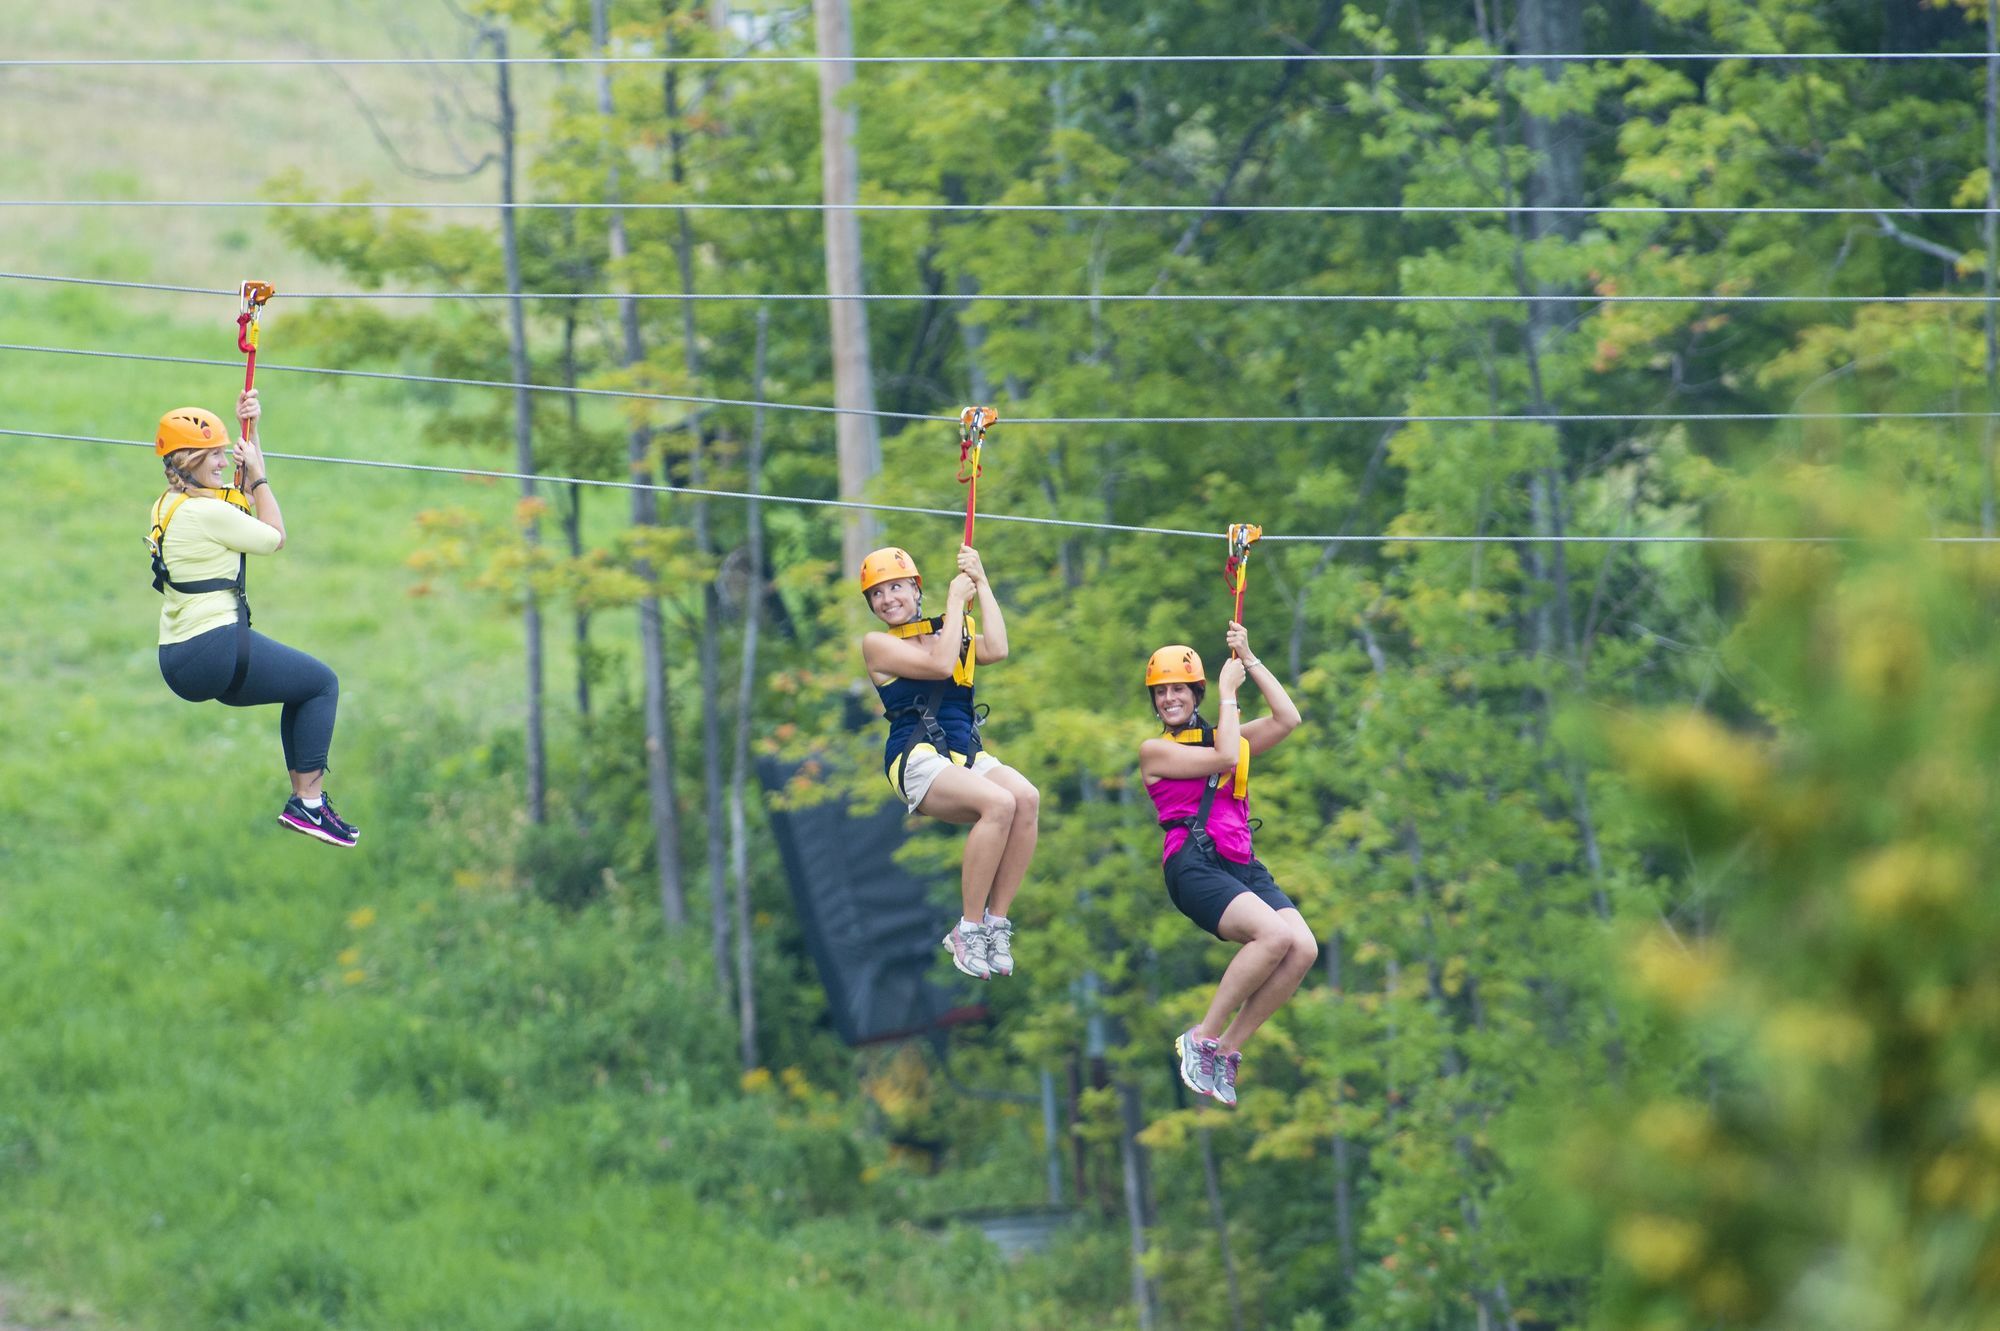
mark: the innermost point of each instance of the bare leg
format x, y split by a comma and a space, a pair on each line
1020, 840
306, 784
957, 796
1271, 995
1266, 941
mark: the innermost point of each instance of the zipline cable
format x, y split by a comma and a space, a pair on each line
1402, 538
1388, 209
1047, 298
1104, 58
631, 394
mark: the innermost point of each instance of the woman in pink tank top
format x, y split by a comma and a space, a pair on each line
1199, 778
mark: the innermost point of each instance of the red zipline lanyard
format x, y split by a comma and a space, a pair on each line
1236, 569
973, 423
254, 295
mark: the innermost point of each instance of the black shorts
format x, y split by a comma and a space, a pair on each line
1201, 884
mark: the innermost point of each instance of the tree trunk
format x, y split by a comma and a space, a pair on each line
524, 442
659, 730
1218, 1216
572, 517
860, 450
1343, 1165
1052, 1137
1132, 1164
753, 614
704, 544
1555, 179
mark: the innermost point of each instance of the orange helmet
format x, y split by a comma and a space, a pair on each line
886, 565
1174, 664
189, 427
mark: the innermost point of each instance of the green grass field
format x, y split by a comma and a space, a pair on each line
254, 1082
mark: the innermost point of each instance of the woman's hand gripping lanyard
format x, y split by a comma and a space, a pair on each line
1236, 574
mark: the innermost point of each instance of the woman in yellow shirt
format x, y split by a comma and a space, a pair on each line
204, 532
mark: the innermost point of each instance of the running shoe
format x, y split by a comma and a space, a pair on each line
1198, 1058
967, 945
1225, 1076
318, 822
1000, 947
326, 807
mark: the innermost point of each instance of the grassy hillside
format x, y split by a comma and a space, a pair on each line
257, 1082
210, 133
251, 1081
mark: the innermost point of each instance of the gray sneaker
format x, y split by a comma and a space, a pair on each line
1198, 1062
1000, 947
967, 945
1225, 1076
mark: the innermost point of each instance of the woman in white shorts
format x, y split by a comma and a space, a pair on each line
923, 670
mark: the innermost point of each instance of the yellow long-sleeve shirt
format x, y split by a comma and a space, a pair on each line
203, 541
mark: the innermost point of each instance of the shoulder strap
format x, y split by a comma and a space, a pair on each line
917, 628
962, 668
1239, 788
156, 541
160, 520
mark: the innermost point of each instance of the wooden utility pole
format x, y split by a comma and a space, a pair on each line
1992, 236
524, 440
859, 448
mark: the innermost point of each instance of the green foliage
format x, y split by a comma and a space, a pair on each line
515, 1105
1845, 1163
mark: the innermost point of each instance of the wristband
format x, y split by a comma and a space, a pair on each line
1230, 702
252, 487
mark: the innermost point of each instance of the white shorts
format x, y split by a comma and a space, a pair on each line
922, 766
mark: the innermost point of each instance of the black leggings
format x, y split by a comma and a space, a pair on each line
199, 670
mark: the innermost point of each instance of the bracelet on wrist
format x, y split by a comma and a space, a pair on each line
261, 480
1230, 702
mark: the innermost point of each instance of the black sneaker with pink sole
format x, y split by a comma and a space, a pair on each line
322, 823
326, 805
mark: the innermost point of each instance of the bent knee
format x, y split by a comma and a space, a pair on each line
1305, 948
998, 806
1028, 803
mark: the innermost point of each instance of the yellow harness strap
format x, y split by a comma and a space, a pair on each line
228, 495
961, 669
1239, 785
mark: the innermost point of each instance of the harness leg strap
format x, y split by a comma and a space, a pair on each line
242, 671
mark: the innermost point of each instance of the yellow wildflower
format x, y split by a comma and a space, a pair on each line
1657, 1247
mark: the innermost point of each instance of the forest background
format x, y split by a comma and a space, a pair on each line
1655, 985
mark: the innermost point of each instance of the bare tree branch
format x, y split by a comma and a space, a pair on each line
382, 136
1888, 227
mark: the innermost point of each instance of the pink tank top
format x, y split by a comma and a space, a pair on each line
1228, 817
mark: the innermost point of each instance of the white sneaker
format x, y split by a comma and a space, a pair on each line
1225, 1076
1198, 1058
1000, 947
967, 945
